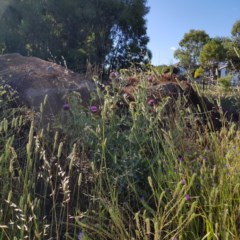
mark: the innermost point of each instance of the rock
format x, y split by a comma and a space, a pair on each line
165, 85
174, 86
34, 78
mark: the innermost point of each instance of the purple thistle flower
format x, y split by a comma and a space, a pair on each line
188, 197
150, 78
151, 102
113, 75
181, 159
80, 236
183, 182
66, 106
93, 109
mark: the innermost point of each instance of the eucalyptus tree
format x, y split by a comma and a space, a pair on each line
232, 57
236, 31
190, 48
130, 38
211, 54
234, 47
79, 31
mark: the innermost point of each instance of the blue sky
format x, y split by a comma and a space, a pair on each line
168, 20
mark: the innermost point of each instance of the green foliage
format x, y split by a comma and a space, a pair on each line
235, 54
165, 68
236, 30
232, 47
231, 55
230, 99
160, 69
225, 82
196, 47
79, 31
194, 41
199, 72
120, 173
191, 46
184, 57
212, 53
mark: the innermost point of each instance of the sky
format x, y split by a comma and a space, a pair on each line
169, 20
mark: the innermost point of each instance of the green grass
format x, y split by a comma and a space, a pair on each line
126, 173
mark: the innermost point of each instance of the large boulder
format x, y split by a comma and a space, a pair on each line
33, 78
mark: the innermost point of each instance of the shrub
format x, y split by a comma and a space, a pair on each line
199, 72
225, 82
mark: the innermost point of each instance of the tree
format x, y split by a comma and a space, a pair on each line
130, 47
185, 58
233, 47
236, 30
231, 54
191, 46
212, 53
79, 31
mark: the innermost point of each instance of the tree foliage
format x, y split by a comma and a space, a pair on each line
212, 53
79, 31
236, 30
231, 53
185, 58
130, 46
233, 47
191, 46
197, 48
199, 72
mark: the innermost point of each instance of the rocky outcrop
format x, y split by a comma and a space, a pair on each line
33, 78
173, 86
